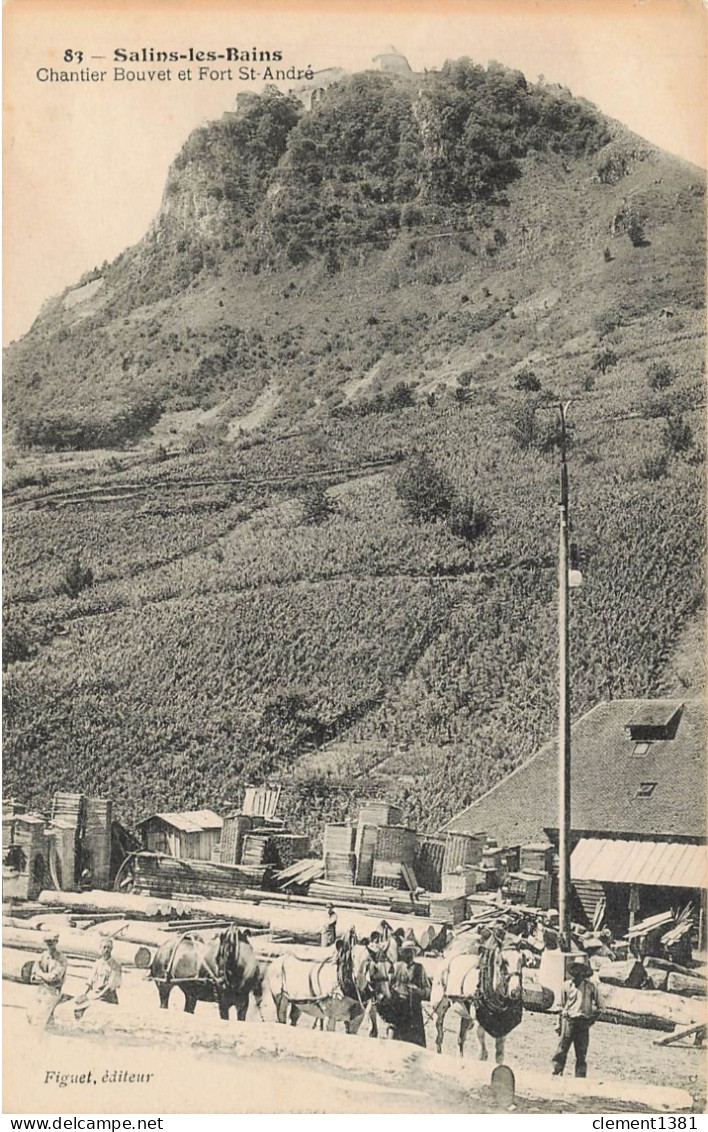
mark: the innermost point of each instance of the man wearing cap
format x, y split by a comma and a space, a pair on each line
580, 1007
328, 934
104, 980
49, 972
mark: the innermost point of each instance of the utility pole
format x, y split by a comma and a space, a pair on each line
563, 701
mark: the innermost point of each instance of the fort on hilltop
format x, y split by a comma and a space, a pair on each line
310, 92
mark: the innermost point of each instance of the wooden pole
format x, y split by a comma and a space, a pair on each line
563, 703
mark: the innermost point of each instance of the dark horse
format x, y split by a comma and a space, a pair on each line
223, 970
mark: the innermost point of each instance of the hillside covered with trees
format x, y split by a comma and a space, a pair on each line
282, 491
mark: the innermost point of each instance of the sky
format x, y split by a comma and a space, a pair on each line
85, 163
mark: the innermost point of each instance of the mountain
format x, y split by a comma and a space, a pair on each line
283, 494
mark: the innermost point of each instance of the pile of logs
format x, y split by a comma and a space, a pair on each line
158, 874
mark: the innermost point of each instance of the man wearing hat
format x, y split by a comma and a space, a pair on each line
328, 935
409, 986
104, 980
49, 971
580, 1007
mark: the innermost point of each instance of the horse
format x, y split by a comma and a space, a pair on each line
484, 988
222, 970
334, 989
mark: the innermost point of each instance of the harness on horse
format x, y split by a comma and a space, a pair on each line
345, 983
201, 956
496, 1011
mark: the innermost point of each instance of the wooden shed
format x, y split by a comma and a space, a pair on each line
191, 835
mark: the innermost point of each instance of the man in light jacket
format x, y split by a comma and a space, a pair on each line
580, 1007
105, 979
48, 972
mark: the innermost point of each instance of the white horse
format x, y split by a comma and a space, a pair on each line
456, 984
334, 989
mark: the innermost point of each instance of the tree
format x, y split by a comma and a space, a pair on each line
678, 434
660, 375
76, 578
529, 431
17, 641
654, 467
465, 519
635, 231
317, 506
425, 490
527, 381
605, 360
524, 427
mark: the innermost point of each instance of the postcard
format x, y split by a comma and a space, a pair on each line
354, 547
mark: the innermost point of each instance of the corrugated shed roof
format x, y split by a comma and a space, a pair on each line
606, 774
188, 821
661, 863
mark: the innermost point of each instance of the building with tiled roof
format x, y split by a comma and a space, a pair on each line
638, 805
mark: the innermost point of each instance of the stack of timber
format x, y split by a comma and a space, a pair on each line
158, 874
528, 888
339, 868
233, 832
301, 874
98, 814
66, 831
536, 858
288, 847
378, 853
339, 855
257, 850
448, 909
462, 882
379, 813
25, 860
62, 853
388, 875
69, 807
391, 899
365, 850
395, 852
429, 861
339, 838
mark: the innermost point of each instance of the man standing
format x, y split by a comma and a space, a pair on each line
580, 1007
409, 987
104, 980
49, 972
328, 934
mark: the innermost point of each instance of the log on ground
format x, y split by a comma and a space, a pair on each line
649, 1009
84, 945
686, 984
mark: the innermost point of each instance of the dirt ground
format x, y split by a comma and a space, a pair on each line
186, 1079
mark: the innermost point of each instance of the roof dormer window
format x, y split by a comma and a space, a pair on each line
655, 720
646, 789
